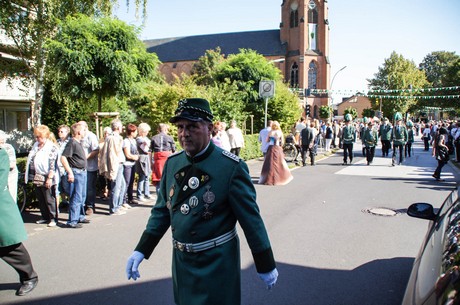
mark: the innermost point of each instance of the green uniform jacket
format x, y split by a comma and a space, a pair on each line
348, 134
370, 137
410, 134
12, 230
385, 132
399, 137
221, 179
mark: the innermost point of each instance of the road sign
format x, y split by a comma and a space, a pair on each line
267, 88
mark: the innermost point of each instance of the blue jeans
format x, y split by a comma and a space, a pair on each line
128, 173
118, 189
143, 185
91, 189
77, 194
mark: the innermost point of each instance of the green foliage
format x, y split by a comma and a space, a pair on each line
352, 111
97, 59
251, 148
203, 70
397, 73
325, 112
442, 69
368, 113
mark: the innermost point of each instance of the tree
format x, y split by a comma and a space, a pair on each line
96, 59
29, 24
398, 75
441, 69
204, 69
352, 111
325, 112
436, 65
368, 112
245, 70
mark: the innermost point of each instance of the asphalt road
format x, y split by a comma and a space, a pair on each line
329, 249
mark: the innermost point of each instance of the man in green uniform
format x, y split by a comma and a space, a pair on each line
348, 138
370, 141
399, 138
385, 137
203, 192
13, 233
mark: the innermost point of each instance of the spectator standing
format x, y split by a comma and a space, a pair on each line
41, 170
163, 146
203, 193
13, 173
91, 147
307, 142
300, 124
235, 136
144, 164
441, 152
62, 188
13, 233
263, 135
275, 170
215, 135
426, 137
74, 161
131, 157
103, 181
111, 166
329, 134
224, 136
456, 138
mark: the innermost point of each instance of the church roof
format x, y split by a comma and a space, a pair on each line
266, 43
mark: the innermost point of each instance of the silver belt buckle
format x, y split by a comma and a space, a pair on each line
180, 246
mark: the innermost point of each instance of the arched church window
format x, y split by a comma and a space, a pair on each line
294, 75
313, 16
312, 75
294, 17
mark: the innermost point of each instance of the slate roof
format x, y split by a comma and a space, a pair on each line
265, 42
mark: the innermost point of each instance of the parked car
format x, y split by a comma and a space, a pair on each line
435, 276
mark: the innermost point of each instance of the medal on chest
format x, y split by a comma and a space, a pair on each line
208, 199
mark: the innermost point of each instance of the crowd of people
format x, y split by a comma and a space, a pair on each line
395, 139
72, 168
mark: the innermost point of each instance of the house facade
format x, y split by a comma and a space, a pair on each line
16, 99
299, 48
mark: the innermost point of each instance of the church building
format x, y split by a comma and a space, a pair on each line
299, 48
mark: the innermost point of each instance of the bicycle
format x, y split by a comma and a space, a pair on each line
290, 150
22, 192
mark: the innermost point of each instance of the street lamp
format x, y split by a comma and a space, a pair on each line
332, 82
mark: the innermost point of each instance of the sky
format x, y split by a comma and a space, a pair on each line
363, 33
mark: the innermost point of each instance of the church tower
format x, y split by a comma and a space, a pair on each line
304, 31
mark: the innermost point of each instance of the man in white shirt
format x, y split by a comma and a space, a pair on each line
263, 135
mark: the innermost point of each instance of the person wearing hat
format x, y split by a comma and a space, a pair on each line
399, 137
410, 139
348, 138
385, 137
204, 191
370, 141
13, 233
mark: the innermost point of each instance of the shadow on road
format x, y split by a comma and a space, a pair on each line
379, 282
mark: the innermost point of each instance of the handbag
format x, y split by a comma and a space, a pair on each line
39, 180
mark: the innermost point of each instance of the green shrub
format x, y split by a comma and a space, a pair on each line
251, 149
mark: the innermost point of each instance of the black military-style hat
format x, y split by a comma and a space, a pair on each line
193, 109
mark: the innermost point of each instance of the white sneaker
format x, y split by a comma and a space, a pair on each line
141, 198
41, 221
119, 212
52, 223
127, 206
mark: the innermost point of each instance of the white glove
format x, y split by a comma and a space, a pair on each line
269, 278
133, 264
